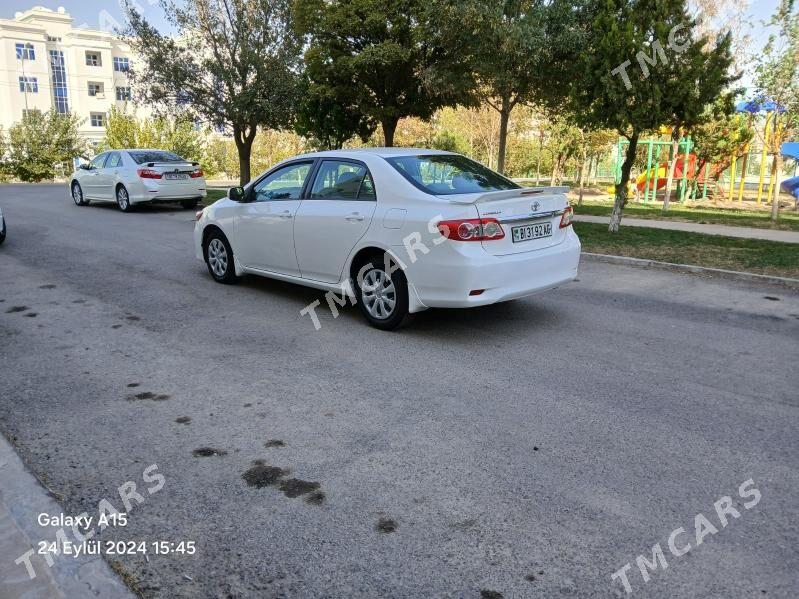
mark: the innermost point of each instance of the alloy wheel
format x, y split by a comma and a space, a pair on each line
378, 294
122, 198
217, 257
77, 195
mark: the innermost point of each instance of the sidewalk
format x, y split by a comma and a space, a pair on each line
725, 230
22, 499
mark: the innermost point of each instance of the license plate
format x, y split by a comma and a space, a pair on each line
174, 176
528, 232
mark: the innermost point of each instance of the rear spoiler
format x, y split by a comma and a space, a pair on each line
506, 194
152, 164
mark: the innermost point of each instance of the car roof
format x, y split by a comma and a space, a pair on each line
382, 152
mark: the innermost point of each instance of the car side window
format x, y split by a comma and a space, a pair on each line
98, 161
284, 184
341, 180
114, 160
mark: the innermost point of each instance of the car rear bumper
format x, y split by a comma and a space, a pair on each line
150, 191
446, 279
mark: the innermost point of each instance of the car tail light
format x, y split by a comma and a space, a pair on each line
471, 229
567, 217
148, 173
196, 174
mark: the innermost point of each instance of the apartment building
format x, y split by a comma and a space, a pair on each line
47, 64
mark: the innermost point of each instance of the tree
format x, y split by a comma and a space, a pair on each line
718, 136
373, 57
328, 115
508, 47
606, 89
43, 143
778, 80
177, 134
232, 63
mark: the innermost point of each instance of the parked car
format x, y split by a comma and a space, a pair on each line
411, 229
130, 177
2, 227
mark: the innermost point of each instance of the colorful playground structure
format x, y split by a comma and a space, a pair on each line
688, 183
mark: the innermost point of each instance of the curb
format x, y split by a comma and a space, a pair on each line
690, 268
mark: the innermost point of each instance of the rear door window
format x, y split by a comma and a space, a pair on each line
114, 160
342, 180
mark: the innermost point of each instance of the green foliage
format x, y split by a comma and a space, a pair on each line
328, 116
720, 135
371, 58
231, 63
177, 134
42, 145
643, 64
777, 71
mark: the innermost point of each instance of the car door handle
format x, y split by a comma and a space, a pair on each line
286, 214
355, 217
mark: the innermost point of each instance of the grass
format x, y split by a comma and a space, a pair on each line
713, 251
213, 195
788, 221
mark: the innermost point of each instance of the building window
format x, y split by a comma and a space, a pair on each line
95, 89
97, 119
121, 64
93, 59
59, 75
29, 84
25, 51
123, 93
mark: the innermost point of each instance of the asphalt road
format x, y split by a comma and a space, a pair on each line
529, 449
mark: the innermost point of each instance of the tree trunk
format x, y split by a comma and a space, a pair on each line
244, 139
538, 164
389, 127
504, 117
621, 188
776, 172
675, 148
582, 178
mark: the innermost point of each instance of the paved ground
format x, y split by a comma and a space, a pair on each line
726, 230
530, 449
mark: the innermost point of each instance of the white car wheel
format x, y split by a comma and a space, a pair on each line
77, 195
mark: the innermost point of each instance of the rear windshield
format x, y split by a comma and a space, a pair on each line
449, 174
142, 156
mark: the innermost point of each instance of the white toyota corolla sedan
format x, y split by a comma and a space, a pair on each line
130, 177
402, 229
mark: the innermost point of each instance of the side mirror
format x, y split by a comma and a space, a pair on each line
236, 194
85, 167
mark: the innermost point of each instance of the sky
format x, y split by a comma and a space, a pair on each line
107, 14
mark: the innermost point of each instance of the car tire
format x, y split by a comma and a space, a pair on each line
77, 195
2, 230
189, 204
382, 296
219, 258
123, 199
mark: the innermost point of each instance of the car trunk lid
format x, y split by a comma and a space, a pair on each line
530, 217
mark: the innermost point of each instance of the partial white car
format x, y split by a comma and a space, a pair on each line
2, 227
408, 229
131, 177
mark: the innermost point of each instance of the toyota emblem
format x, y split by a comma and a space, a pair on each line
535, 206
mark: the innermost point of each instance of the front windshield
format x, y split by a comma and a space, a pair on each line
448, 174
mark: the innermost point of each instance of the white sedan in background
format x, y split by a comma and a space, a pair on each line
130, 177
408, 229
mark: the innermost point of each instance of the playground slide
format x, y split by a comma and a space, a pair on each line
660, 174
